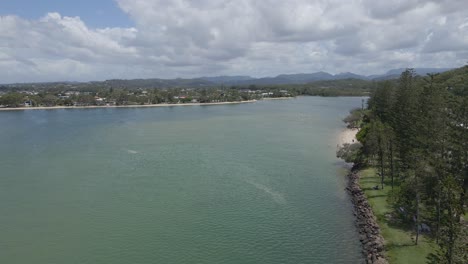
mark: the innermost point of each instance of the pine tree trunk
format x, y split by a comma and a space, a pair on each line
382, 171
450, 238
417, 218
464, 188
438, 220
381, 163
391, 163
417, 207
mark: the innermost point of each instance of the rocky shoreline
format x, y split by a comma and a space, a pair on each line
372, 241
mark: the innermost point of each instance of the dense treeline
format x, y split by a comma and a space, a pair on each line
415, 131
104, 93
118, 96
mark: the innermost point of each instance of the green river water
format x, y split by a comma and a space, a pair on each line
246, 183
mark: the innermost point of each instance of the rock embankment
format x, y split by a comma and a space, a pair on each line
369, 231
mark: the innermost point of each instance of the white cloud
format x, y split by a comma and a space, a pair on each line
201, 37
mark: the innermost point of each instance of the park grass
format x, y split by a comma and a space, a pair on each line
399, 241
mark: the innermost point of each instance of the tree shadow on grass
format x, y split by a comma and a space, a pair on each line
391, 246
395, 223
400, 225
432, 258
370, 186
368, 180
376, 196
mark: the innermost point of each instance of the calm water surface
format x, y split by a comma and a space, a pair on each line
247, 183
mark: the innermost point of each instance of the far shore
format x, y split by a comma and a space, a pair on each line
119, 106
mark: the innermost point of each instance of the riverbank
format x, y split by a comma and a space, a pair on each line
382, 240
372, 242
120, 106
399, 240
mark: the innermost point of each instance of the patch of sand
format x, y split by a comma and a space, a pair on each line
348, 136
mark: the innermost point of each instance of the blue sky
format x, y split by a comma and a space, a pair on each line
83, 40
95, 13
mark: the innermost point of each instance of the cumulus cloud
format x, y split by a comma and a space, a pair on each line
187, 38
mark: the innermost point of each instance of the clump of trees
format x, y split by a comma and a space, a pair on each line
354, 119
416, 133
11, 99
349, 152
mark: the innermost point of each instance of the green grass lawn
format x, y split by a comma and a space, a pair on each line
399, 242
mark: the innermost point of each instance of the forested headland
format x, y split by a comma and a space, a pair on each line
414, 134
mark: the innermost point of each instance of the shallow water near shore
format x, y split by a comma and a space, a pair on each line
246, 183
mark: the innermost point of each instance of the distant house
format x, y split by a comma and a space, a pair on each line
99, 100
267, 94
284, 92
29, 92
69, 93
28, 103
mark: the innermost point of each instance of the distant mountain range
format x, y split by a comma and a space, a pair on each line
300, 78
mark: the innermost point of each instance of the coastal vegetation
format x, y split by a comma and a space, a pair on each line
118, 97
122, 92
413, 139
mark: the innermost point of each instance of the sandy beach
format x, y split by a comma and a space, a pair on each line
347, 136
119, 106
277, 98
